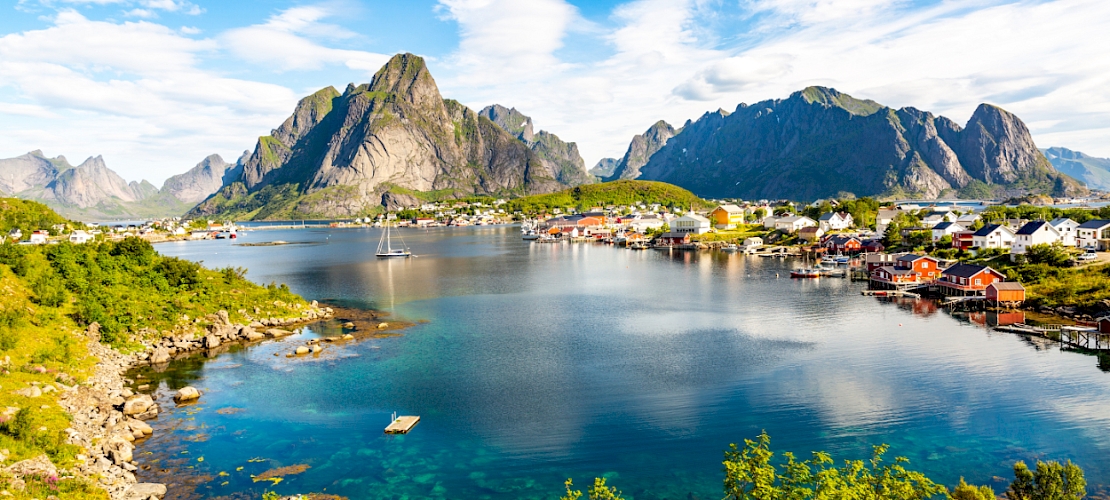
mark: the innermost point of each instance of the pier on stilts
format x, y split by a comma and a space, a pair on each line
1085, 338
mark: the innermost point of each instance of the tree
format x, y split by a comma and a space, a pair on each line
1053, 255
599, 491
1050, 481
964, 491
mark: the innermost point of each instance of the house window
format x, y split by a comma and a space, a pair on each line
925, 265
978, 281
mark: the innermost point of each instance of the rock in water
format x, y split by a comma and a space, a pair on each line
137, 404
143, 491
186, 394
211, 341
301, 350
160, 355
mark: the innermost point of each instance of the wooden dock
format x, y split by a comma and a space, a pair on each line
890, 293
402, 425
1089, 339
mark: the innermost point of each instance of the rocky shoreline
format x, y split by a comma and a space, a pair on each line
108, 417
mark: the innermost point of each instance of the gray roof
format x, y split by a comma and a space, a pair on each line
1095, 224
1007, 285
1032, 227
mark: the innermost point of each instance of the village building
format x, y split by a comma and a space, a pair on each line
946, 229
967, 220
1104, 324
727, 216
907, 269
691, 223
842, 244
968, 279
1094, 234
770, 221
794, 223
1005, 293
993, 236
1068, 230
963, 240
810, 234
884, 218
1034, 233
80, 237
751, 244
672, 239
834, 221
875, 261
15, 234
935, 218
38, 237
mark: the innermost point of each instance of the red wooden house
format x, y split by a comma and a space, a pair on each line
907, 270
672, 239
842, 244
963, 239
1005, 292
968, 279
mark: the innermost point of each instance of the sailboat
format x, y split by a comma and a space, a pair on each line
386, 250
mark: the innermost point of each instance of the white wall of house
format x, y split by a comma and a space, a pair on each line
1069, 236
693, 224
1045, 235
948, 231
999, 238
1089, 238
793, 224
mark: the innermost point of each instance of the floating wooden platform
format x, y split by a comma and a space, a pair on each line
402, 425
890, 293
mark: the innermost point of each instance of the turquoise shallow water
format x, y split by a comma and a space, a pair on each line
542, 362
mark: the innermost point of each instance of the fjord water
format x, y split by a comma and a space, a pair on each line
540, 362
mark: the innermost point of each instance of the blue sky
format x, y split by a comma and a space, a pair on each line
156, 85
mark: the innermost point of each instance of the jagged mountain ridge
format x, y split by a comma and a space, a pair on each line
641, 149
340, 154
91, 190
820, 143
605, 167
560, 157
204, 179
1089, 169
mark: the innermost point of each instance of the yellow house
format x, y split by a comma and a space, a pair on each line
726, 216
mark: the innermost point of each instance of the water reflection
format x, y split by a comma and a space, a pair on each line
547, 360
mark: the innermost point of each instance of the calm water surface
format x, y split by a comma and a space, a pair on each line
546, 361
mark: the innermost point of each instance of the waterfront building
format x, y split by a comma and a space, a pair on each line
968, 279
691, 223
794, 223
946, 229
835, 221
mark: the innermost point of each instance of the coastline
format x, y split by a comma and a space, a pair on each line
109, 417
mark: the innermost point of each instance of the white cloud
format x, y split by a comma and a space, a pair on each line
131, 91
1033, 58
283, 43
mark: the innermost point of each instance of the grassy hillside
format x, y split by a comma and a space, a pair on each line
49, 294
26, 216
610, 193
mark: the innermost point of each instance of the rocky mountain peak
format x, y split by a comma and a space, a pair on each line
513, 121
308, 113
830, 97
645, 145
406, 76
997, 147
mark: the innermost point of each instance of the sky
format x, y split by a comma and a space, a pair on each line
154, 86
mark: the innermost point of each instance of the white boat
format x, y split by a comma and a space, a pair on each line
386, 250
731, 247
530, 235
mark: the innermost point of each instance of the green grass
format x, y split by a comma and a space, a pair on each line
623, 192
49, 294
738, 235
27, 216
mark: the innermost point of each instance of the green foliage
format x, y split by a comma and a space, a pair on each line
964, 491
599, 491
1050, 481
1052, 255
751, 474
28, 216
609, 193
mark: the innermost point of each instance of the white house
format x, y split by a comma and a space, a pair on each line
691, 223
793, 223
993, 236
79, 237
751, 244
15, 234
1094, 234
883, 219
39, 237
834, 221
770, 221
937, 217
643, 223
1034, 233
946, 229
1067, 229
967, 220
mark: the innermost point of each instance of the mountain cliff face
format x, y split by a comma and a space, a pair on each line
205, 178
1095, 172
641, 148
559, 157
820, 143
338, 154
92, 191
605, 167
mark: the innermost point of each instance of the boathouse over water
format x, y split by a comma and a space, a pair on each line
1005, 293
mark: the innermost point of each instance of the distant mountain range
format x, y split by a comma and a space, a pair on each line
93, 191
1091, 170
392, 142
822, 143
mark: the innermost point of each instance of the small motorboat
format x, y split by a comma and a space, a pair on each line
731, 247
530, 235
805, 273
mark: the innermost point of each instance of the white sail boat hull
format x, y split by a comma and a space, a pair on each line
386, 250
